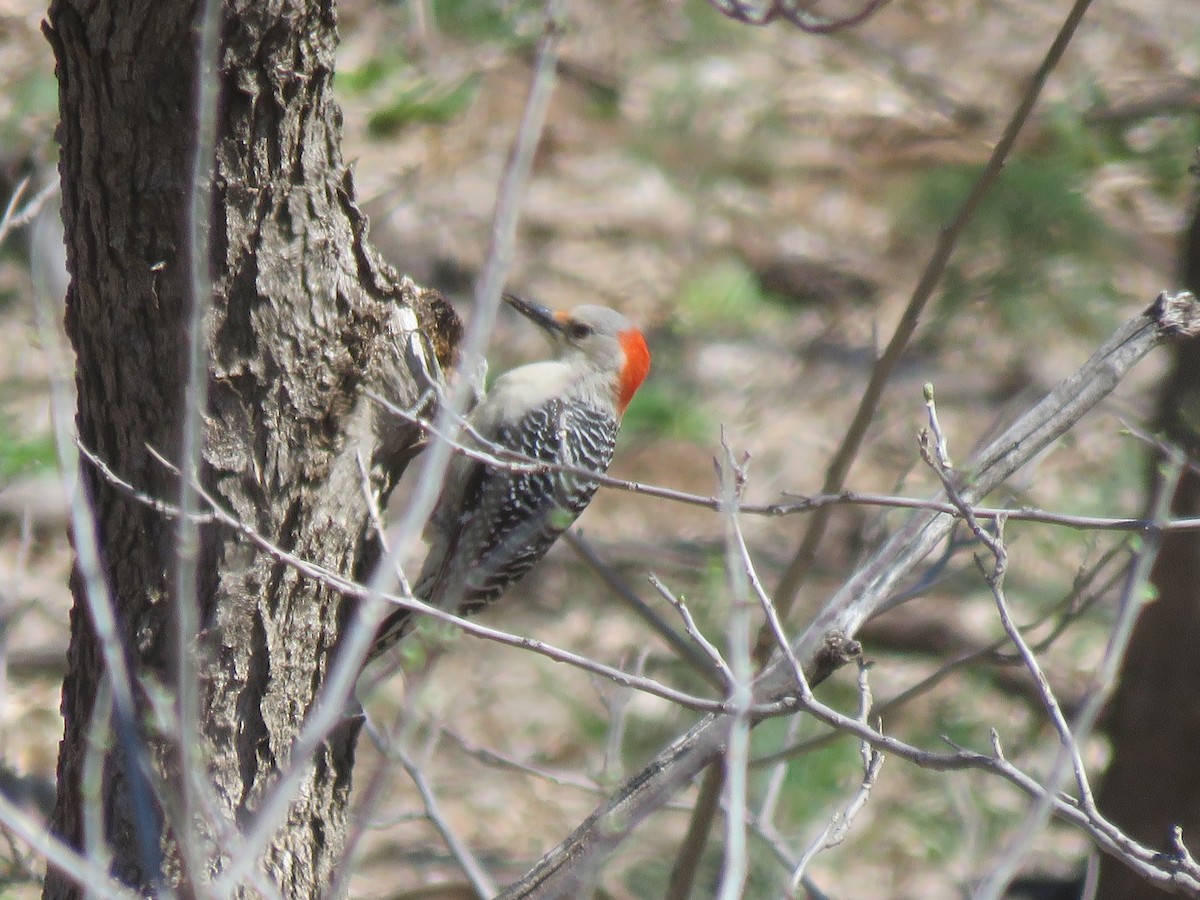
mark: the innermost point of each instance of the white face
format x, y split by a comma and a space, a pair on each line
594, 331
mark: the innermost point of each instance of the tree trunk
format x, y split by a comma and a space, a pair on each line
304, 320
1153, 782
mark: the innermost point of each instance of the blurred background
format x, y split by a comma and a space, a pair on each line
763, 202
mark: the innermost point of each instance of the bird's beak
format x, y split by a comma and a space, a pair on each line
542, 316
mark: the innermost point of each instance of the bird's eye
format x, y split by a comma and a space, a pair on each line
577, 331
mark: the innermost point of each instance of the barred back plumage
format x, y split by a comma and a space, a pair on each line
512, 514
516, 515
495, 520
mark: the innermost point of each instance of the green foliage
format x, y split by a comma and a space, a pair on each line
927, 827
692, 133
1037, 252
815, 782
927, 820
422, 102
1120, 484
32, 99
369, 75
667, 410
604, 100
675, 109
401, 96
708, 600
429, 638
708, 28
1170, 145
707, 158
1161, 146
957, 717
590, 724
23, 455
725, 297
506, 21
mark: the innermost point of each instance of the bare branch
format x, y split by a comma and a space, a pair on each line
14, 218
78, 867
694, 654
839, 466
500, 458
710, 652
790, 11
985, 653
863, 594
1132, 600
480, 880
490, 757
836, 830
134, 756
691, 849
732, 478
995, 579
192, 766
355, 591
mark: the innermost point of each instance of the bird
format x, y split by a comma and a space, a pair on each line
492, 523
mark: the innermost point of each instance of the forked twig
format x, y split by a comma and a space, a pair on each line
1171, 316
839, 466
836, 829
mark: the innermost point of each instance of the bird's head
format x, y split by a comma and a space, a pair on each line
607, 342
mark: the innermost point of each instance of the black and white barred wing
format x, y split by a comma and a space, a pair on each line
519, 513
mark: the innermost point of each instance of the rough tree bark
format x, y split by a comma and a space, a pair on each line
304, 320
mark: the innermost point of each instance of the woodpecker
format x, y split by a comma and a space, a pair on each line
492, 524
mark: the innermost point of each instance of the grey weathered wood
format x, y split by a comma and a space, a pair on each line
561, 871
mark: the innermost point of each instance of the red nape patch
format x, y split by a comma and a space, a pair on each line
637, 364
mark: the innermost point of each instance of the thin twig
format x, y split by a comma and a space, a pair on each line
695, 657
14, 218
616, 704
86, 873
995, 579
963, 660
195, 401
1105, 679
91, 788
373, 510
775, 782
339, 684
936, 457
99, 601
738, 626
690, 852
1176, 871
838, 827
370, 789
716, 662
496, 760
352, 590
480, 880
820, 646
506, 460
839, 466
789, 11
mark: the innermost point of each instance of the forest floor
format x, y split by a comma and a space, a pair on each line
763, 201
